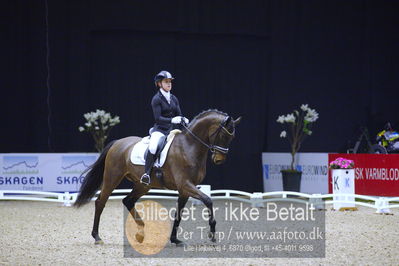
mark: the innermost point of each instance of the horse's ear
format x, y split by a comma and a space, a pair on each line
237, 121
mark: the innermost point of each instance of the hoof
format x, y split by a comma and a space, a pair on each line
99, 242
178, 243
211, 236
140, 237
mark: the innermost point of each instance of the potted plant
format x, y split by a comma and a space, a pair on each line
297, 127
99, 124
342, 163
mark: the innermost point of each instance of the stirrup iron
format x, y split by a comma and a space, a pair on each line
145, 179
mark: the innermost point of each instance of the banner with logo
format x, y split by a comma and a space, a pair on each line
314, 167
55, 172
375, 174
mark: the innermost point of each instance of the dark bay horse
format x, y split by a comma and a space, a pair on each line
184, 168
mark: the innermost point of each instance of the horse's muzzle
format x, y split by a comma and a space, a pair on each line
218, 158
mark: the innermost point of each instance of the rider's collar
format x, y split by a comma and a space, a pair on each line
165, 94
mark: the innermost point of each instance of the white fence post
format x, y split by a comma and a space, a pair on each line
317, 202
257, 200
60, 197
382, 205
67, 199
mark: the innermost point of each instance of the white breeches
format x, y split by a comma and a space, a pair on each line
155, 136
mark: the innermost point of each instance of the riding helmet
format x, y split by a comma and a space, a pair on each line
162, 75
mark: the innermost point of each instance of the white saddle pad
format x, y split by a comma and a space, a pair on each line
137, 154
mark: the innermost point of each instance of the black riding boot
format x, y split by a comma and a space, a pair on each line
149, 162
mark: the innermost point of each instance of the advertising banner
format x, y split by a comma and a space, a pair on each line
375, 174
55, 172
314, 169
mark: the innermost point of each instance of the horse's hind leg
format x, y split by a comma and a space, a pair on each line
107, 187
99, 207
129, 201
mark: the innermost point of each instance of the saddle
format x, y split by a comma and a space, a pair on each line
140, 150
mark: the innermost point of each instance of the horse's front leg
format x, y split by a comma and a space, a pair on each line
212, 222
181, 202
194, 192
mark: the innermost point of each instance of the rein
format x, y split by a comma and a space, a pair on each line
212, 147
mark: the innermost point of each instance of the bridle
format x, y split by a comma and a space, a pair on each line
212, 147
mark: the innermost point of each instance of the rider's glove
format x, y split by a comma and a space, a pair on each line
176, 120
186, 121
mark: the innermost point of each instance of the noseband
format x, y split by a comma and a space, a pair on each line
212, 147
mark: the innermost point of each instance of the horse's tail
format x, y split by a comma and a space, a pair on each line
93, 179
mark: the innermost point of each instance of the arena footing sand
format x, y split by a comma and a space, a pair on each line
39, 233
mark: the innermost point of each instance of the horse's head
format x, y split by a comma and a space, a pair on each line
221, 137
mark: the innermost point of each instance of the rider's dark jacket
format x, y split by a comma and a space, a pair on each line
164, 112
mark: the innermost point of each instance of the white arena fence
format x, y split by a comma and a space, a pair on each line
257, 199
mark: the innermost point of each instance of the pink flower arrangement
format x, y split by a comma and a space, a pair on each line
342, 163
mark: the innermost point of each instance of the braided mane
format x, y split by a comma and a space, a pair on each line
206, 112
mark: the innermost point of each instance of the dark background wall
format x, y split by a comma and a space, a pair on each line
257, 59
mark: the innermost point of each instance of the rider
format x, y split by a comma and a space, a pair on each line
166, 109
